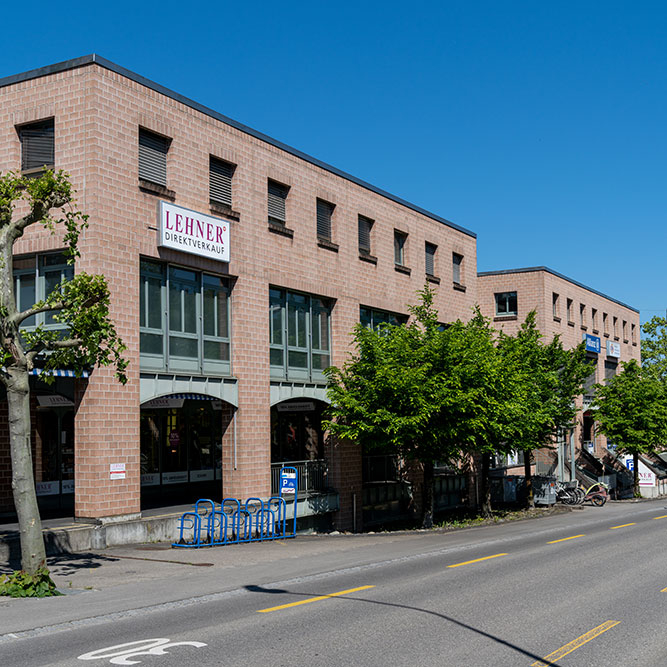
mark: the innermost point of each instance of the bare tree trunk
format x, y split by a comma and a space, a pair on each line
427, 495
33, 553
486, 487
635, 475
528, 473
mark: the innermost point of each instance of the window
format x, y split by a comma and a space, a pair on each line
582, 315
277, 198
220, 181
457, 266
615, 328
37, 147
625, 331
589, 382
610, 366
153, 157
365, 227
399, 247
429, 258
555, 305
372, 318
506, 303
569, 310
605, 324
633, 333
299, 334
34, 279
594, 319
324, 214
193, 309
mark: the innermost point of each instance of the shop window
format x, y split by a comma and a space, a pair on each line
299, 334
35, 278
220, 182
37, 147
506, 303
372, 319
429, 258
277, 198
400, 239
153, 150
555, 306
457, 268
324, 215
193, 308
365, 227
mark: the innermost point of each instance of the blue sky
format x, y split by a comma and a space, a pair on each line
540, 126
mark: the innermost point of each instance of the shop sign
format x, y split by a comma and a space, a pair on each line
67, 486
164, 402
116, 471
54, 401
646, 477
613, 349
195, 233
201, 475
174, 439
302, 406
47, 488
175, 477
150, 479
592, 343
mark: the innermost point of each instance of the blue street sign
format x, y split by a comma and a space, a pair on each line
592, 343
287, 481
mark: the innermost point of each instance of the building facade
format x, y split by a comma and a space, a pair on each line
238, 268
566, 308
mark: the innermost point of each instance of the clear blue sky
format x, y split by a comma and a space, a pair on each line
540, 126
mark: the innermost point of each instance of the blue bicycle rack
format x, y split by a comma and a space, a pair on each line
231, 522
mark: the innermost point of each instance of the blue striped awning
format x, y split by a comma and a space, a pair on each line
196, 397
60, 373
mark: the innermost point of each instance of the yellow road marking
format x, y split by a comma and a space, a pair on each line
664, 590
664, 516
564, 539
575, 644
477, 560
623, 526
319, 597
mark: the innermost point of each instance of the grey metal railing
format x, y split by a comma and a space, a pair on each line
312, 475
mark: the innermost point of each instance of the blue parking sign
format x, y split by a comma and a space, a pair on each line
287, 482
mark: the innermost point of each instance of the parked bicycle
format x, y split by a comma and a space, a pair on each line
569, 493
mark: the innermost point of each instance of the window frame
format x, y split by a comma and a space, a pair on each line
147, 172
276, 192
226, 180
506, 297
430, 258
400, 242
324, 219
38, 169
365, 229
457, 268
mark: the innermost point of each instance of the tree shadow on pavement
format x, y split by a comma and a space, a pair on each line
62, 565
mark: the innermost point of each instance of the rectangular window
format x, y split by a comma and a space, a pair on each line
615, 323
605, 324
594, 319
555, 305
277, 197
610, 367
37, 146
589, 382
457, 268
324, 214
220, 181
582, 315
372, 318
429, 258
299, 335
569, 311
193, 309
625, 331
153, 157
633, 333
365, 226
506, 303
399, 247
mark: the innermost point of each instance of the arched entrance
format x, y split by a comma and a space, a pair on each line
181, 448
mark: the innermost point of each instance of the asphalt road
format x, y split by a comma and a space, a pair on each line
582, 589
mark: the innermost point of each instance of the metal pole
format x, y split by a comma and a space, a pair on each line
573, 475
561, 456
354, 512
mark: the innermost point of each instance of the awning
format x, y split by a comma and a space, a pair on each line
60, 373
196, 397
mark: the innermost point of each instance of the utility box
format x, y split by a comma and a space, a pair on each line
544, 490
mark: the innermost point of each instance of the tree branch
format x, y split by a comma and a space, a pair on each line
46, 308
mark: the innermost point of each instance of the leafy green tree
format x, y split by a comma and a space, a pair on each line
549, 378
632, 412
654, 348
80, 304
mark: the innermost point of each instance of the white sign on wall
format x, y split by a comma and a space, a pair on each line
646, 477
613, 349
195, 233
116, 471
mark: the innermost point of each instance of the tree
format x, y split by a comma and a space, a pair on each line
550, 378
654, 348
80, 304
388, 395
632, 412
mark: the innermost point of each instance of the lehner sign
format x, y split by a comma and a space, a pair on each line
196, 233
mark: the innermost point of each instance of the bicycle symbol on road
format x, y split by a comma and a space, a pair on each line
120, 654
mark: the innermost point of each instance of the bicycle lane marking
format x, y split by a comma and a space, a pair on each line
574, 644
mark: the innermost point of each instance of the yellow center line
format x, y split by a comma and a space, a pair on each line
664, 516
575, 644
564, 539
664, 590
477, 560
623, 526
316, 599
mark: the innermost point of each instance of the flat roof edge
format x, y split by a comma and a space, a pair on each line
137, 78
546, 269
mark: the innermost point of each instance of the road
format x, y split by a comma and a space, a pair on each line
582, 589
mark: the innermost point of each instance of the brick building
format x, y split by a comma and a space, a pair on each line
237, 266
574, 312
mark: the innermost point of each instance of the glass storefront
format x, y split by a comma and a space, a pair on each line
181, 449
296, 431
